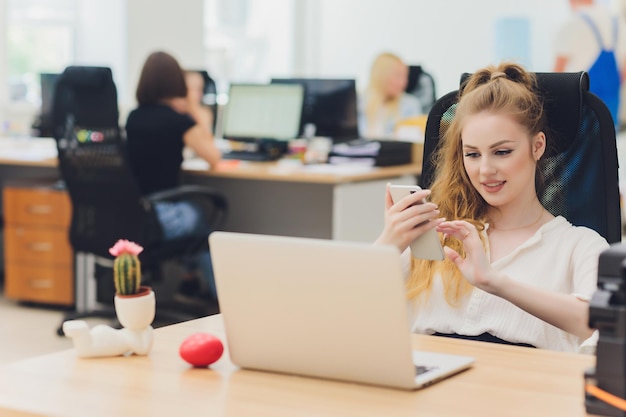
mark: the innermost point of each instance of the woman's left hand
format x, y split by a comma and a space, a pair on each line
475, 267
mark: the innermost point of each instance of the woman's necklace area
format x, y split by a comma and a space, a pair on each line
541, 213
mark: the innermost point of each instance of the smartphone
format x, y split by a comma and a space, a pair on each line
427, 246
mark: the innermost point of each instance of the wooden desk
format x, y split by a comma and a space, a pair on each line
505, 381
267, 198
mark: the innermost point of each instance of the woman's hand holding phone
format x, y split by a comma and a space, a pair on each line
410, 221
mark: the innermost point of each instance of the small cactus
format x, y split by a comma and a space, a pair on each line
126, 267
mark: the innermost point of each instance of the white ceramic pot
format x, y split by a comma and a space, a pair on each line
136, 312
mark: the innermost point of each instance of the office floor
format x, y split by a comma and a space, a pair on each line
27, 331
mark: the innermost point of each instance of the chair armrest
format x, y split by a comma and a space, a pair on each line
189, 191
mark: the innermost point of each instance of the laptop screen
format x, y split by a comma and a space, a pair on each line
263, 111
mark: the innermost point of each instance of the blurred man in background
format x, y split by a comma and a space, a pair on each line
593, 39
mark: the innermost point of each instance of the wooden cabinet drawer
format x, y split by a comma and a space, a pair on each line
38, 257
36, 207
44, 247
52, 285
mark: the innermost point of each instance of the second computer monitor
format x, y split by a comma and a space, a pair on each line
48, 85
330, 106
263, 111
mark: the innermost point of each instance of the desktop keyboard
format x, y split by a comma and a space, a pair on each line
247, 156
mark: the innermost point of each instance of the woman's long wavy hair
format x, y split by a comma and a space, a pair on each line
504, 89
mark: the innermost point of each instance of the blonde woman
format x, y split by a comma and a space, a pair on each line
513, 272
384, 102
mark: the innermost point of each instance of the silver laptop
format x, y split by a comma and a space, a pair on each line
321, 308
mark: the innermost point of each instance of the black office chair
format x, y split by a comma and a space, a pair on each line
107, 204
422, 85
210, 95
581, 173
88, 94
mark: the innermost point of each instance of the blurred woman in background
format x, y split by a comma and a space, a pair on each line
164, 122
385, 103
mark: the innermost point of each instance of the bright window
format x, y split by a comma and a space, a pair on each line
40, 39
248, 40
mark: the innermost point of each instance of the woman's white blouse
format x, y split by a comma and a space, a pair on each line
560, 257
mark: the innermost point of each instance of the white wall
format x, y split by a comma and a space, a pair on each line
330, 37
4, 95
101, 37
249, 40
173, 26
446, 37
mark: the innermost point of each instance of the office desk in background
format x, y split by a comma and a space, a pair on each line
329, 202
505, 381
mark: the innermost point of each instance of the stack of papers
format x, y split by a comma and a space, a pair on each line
359, 152
198, 164
357, 149
27, 149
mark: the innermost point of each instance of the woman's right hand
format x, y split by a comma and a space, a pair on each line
407, 219
179, 104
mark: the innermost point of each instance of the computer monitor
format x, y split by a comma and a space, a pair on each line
263, 111
330, 105
48, 82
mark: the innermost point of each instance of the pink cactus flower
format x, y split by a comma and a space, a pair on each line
125, 246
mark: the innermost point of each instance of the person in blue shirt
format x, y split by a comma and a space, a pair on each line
593, 39
384, 102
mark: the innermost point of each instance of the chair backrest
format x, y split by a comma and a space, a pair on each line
422, 85
89, 95
106, 201
581, 169
107, 204
210, 95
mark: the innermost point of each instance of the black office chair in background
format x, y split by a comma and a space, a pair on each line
107, 204
422, 85
210, 95
581, 170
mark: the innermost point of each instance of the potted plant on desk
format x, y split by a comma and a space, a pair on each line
134, 303
135, 307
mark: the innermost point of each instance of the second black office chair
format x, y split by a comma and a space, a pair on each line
210, 95
106, 201
581, 169
422, 85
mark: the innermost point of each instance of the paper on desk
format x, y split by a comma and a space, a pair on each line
28, 154
339, 169
360, 161
195, 164
363, 148
26, 149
